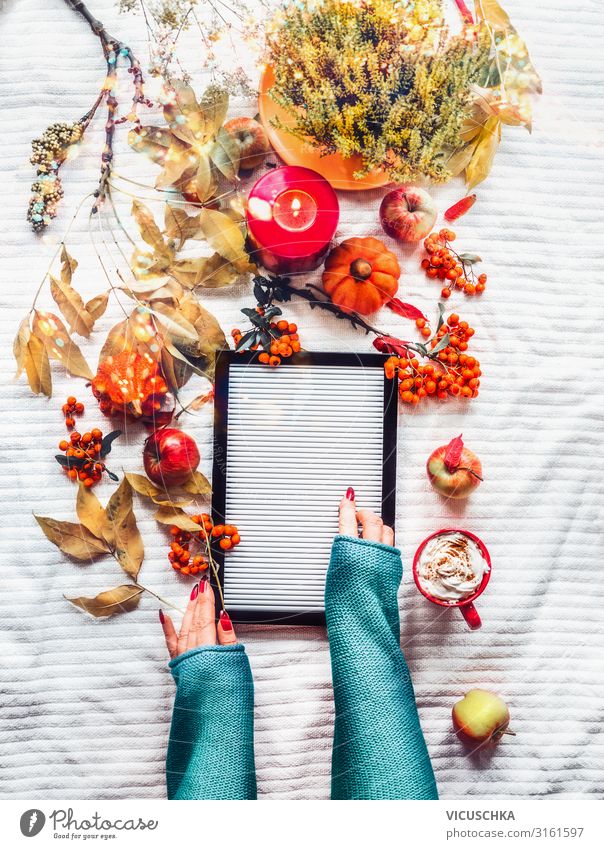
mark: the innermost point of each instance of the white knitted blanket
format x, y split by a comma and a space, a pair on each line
86, 704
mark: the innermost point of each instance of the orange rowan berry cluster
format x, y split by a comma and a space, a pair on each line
454, 270
226, 536
453, 373
180, 555
71, 408
84, 450
279, 341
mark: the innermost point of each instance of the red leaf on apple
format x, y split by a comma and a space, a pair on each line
453, 454
460, 208
391, 345
406, 310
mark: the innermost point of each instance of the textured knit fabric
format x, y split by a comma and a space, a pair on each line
379, 750
211, 748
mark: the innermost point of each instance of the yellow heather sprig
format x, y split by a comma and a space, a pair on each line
383, 79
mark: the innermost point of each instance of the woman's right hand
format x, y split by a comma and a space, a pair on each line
199, 626
372, 527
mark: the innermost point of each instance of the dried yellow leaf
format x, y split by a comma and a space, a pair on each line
73, 539
121, 599
72, 306
52, 332
176, 516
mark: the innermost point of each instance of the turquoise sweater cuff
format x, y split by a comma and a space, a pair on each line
211, 746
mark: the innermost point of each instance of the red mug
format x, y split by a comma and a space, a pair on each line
465, 605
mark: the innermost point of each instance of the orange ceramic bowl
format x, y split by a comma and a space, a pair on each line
294, 151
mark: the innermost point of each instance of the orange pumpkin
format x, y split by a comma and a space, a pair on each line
361, 275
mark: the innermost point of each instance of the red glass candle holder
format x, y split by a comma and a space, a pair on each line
292, 215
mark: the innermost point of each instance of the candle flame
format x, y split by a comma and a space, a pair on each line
296, 205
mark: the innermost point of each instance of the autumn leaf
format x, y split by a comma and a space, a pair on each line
491, 11
52, 332
152, 141
214, 104
197, 484
406, 310
68, 266
225, 154
32, 357
205, 181
72, 538
121, 599
460, 208
179, 225
223, 234
142, 485
453, 454
90, 511
121, 531
178, 327
176, 516
180, 163
198, 402
72, 306
484, 153
148, 229
96, 306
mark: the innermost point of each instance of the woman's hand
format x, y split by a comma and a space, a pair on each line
372, 527
199, 627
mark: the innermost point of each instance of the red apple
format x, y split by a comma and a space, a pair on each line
481, 717
454, 471
251, 140
407, 213
170, 456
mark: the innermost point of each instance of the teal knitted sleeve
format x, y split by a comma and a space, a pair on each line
211, 747
379, 750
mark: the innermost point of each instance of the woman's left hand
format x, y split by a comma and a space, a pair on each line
199, 626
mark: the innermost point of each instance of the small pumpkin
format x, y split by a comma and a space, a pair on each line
132, 383
361, 275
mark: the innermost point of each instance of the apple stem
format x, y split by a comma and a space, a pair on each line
507, 731
471, 471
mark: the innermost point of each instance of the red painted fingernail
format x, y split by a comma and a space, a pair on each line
162, 618
194, 592
225, 621
350, 493
203, 584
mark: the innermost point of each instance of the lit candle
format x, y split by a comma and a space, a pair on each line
292, 215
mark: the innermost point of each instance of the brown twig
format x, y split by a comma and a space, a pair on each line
113, 49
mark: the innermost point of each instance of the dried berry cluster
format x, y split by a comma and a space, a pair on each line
48, 154
455, 270
180, 557
452, 373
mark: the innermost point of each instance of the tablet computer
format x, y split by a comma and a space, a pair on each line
288, 442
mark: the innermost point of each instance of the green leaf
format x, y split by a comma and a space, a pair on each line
441, 344
470, 259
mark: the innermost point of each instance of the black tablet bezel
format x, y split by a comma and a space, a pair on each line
223, 362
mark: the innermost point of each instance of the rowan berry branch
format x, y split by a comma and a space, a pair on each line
281, 289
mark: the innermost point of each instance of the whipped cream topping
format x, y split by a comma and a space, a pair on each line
451, 567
